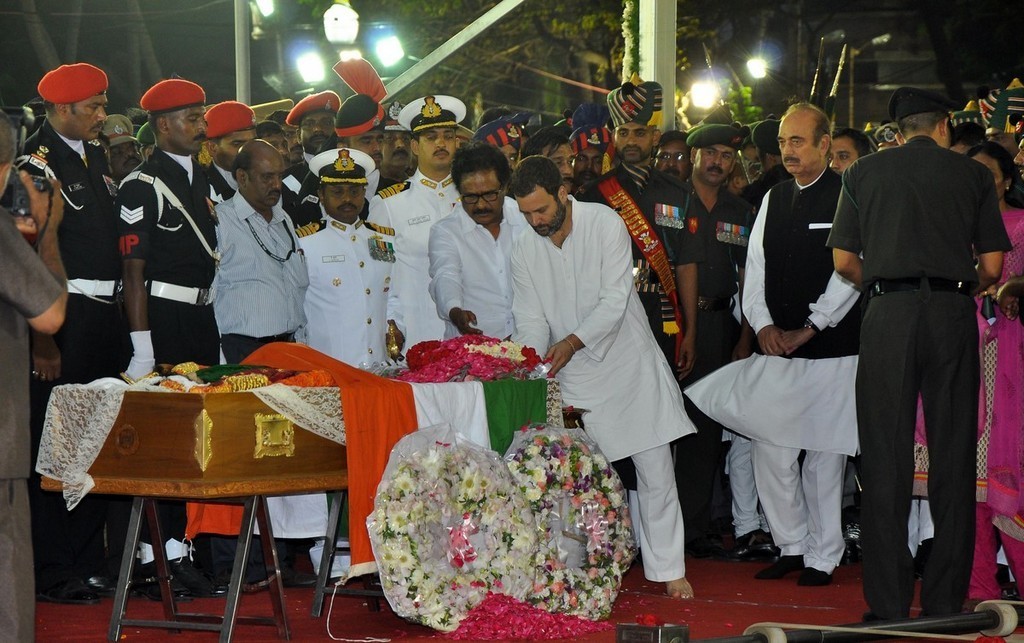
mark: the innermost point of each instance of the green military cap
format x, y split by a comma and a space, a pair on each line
715, 134
146, 136
766, 136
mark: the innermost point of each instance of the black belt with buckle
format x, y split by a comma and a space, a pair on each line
911, 284
714, 304
269, 339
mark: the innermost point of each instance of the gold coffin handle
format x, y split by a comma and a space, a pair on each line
275, 436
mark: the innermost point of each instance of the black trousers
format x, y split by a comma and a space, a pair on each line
912, 343
69, 544
698, 457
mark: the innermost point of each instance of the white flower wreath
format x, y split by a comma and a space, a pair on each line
586, 536
448, 527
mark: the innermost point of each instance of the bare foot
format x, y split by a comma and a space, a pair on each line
679, 588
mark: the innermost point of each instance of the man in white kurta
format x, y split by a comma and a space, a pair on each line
413, 207
797, 395
574, 301
471, 250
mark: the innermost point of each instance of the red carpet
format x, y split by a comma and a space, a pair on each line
727, 601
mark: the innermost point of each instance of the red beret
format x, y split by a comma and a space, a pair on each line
71, 83
229, 116
326, 101
172, 95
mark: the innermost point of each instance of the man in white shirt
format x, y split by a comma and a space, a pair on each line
574, 302
471, 250
411, 208
261, 282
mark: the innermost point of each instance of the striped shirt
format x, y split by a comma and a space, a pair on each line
262, 279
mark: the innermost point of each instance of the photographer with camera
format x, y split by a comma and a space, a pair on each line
32, 290
69, 545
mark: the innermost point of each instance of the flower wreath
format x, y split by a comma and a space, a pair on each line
586, 536
448, 527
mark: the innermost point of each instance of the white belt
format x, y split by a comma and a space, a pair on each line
92, 287
184, 294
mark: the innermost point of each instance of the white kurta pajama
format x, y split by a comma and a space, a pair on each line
786, 405
621, 376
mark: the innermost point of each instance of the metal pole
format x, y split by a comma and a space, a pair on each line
472, 30
243, 31
853, 62
658, 52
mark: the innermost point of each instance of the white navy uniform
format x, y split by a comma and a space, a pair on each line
350, 280
411, 209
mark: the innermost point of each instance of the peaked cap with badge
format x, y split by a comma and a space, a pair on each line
432, 111
907, 101
342, 165
118, 129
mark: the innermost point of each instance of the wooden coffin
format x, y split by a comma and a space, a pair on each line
214, 444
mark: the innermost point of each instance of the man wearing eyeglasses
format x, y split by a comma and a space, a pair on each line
471, 251
413, 207
260, 262
674, 155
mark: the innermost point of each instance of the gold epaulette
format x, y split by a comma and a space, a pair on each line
381, 229
308, 229
392, 190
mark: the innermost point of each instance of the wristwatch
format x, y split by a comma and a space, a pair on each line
809, 324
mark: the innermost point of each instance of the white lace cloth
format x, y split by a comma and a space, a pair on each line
80, 416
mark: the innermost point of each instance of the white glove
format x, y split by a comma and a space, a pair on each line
142, 357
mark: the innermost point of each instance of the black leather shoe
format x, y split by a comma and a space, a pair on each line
292, 578
704, 547
101, 585
811, 577
144, 583
785, 565
70, 592
196, 582
756, 545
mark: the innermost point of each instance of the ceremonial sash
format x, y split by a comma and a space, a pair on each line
650, 245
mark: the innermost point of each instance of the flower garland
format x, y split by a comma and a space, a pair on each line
189, 377
467, 358
586, 536
448, 527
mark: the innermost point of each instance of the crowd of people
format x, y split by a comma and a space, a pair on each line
786, 305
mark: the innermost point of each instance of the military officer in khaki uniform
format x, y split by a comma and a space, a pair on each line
350, 264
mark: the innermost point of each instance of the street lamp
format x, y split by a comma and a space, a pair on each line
758, 68
856, 51
389, 50
704, 94
311, 67
341, 23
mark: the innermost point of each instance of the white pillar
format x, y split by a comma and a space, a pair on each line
658, 51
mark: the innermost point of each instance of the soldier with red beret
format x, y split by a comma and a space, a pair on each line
229, 126
314, 116
168, 247
69, 551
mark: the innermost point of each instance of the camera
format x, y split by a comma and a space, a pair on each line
15, 197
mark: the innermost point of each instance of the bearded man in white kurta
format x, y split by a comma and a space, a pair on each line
574, 301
